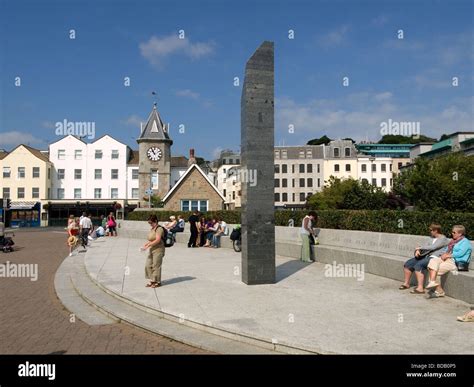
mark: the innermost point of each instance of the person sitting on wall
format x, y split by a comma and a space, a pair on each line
457, 257
221, 230
422, 256
172, 224
211, 228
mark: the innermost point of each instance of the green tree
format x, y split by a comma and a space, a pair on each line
399, 139
348, 194
156, 202
318, 141
442, 183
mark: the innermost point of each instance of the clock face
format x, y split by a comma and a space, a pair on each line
154, 153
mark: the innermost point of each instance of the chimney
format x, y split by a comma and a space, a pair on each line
192, 159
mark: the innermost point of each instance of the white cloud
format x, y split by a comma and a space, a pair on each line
334, 37
133, 120
15, 138
187, 93
359, 116
157, 49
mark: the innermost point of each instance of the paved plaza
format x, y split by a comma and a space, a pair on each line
34, 321
305, 310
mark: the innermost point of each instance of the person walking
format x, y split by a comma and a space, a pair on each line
156, 253
72, 231
305, 232
111, 225
193, 220
85, 225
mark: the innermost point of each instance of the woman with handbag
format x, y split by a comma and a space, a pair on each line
422, 257
111, 225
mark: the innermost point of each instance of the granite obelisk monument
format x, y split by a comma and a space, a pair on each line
257, 168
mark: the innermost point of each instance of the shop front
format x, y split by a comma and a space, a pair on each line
24, 214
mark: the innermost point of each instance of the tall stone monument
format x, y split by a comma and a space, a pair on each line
257, 168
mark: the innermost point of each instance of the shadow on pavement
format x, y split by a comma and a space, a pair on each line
289, 268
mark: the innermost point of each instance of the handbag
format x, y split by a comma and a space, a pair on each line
462, 266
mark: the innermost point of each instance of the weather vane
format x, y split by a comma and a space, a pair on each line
156, 98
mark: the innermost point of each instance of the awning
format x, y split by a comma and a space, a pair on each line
22, 205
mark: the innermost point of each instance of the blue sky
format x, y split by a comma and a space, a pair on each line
82, 79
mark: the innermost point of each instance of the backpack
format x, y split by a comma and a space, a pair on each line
167, 237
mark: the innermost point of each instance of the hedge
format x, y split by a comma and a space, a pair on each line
393, 221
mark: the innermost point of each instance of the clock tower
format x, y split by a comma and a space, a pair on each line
154, 147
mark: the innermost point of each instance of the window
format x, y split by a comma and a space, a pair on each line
374, 167
284, 154
293, 183
77, 193
49, 174
223, 193
21, 172
309, 153
231, 161
98, 154
115, 154
301, 168
309, 168
400, 165
6, 172
284, 197
60, 193
391, 182
284, 183
277, 197
134, 193
277, 168
36, 172
347, 152
374, 182
237, 161
390, 167
135, 174
200, 205
365, 181
114, 193
35, 193
384, 181
49, 193
293, 168
277, 154
61, 154
20, 193
114, 174
319, 168
336, 167
78, 154
277, 183
154, 179
301, 182
78, 174
319, 182
301, 154
336, 152
293, 197
97, 174
60, 174
363, 168
233, 195
97, 193
284, 168
224, 170
348, 167
6, 193
302, 197
223, 162
309, 183
384, 167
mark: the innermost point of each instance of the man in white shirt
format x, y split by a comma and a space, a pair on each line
85, 225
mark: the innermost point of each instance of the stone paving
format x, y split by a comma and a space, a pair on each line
305, 308
33, 320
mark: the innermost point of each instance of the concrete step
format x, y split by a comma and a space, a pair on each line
132, 314
71, 300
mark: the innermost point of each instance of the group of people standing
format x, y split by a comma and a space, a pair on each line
206, 232
80, 229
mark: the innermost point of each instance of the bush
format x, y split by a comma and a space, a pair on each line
393, 221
